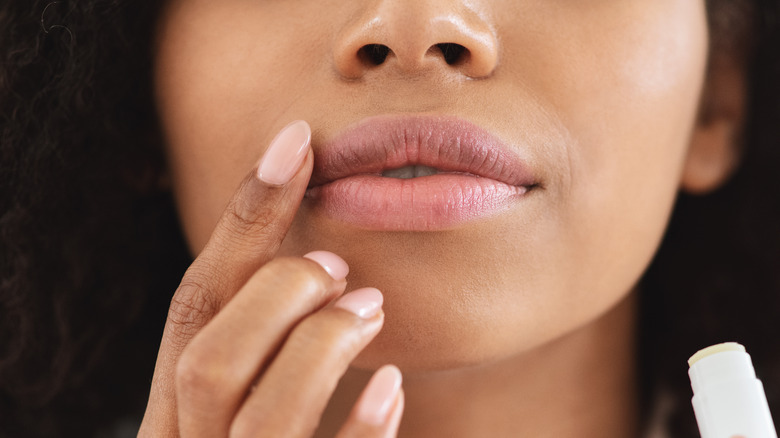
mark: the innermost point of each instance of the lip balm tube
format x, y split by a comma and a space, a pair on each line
728, 399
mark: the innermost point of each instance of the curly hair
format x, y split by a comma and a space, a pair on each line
88, 242
90, 247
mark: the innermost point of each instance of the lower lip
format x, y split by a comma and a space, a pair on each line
429, 203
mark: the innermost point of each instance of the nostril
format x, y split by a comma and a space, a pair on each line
452, 52
374, 53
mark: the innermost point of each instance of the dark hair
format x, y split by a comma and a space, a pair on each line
90, 249
716, 276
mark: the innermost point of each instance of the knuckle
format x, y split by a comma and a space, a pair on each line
198, 377
331, 334
298, 276
247, 217
242, 220
191, 308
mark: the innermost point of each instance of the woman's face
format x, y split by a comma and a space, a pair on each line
596, 99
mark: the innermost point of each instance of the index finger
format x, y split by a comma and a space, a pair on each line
256, 219
248, 235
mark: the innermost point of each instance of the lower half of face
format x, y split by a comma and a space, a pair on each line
597, 99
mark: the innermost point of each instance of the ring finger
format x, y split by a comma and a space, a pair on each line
291, 395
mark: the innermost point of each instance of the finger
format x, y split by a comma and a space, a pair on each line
395, 416
252, 227
378, 411
291, 395
220, 363
247, 235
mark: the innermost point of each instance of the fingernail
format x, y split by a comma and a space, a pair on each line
378, 397
365, 302
285, 154
334, 265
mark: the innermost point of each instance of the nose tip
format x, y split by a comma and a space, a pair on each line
415, 36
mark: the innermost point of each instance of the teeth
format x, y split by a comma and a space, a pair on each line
407, 172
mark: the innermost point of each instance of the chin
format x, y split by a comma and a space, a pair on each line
439, 341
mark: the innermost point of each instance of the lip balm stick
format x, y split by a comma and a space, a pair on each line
728, 399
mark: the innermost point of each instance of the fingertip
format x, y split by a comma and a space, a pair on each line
380, 396
334, 265
394, 422
285, 154
364, 302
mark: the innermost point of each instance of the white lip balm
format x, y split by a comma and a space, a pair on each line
728, 399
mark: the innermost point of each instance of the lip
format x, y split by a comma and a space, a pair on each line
479, 174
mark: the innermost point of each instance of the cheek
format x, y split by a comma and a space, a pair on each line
634, 125
220, 99
624, 79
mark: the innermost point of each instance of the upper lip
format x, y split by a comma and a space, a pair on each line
449, 144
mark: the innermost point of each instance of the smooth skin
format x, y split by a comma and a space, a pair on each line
502, 326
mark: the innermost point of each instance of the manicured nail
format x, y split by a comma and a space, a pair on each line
285, 154
379, 396
334, 265
365, 302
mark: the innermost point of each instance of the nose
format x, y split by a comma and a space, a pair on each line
413, 36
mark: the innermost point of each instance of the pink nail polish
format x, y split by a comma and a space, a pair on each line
285, 154
334, 265
365, 302
377, 399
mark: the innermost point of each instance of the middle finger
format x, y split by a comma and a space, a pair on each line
217, 367
291, 396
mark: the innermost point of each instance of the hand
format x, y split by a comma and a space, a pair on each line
254, 345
